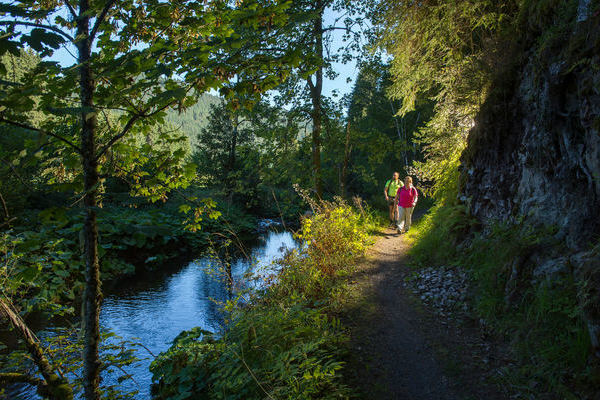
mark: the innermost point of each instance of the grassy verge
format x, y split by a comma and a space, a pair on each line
541, 318
285, 343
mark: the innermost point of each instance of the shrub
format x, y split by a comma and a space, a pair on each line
291, 352
285, 344
334, 237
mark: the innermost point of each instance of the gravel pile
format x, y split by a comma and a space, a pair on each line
443, 288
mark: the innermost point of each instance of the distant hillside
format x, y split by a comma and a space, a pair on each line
192, 120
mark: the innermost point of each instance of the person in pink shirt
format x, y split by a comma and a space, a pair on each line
406, 199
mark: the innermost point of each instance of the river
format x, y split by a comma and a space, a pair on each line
156, 307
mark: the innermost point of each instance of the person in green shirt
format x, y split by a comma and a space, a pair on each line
391, 187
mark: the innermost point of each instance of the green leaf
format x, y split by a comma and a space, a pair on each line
40, 39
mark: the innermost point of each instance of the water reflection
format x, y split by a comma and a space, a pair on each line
156, 307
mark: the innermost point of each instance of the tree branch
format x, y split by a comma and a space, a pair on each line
101, 17
7, 378
4, 207
339, 28
132, 121
8, 83
12, 167
57, 388
36, 25
7, 218
31, 128
8, 222
120, 135
71, 9
310, 83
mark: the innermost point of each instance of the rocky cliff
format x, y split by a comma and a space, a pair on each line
533, 156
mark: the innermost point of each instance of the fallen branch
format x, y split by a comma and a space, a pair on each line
55, 387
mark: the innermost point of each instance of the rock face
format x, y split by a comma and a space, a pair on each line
538, 154
534, 154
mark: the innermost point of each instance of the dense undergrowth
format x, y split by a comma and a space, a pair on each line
285, 343
541, 318
42, 256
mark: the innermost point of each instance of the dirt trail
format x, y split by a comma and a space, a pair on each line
399, 349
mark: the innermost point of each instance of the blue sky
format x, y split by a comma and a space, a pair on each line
345, 71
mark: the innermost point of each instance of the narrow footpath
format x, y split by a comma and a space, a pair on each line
400, 350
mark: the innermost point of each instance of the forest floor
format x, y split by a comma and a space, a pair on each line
402, 349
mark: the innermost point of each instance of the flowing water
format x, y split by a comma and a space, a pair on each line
156, 307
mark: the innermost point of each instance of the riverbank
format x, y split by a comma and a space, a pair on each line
43, 255
286, 341
147, 311
42, 275
401, 319
339, 321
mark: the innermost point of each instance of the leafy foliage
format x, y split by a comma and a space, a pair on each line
285, 343
334, 238
439, 232
252, 157
47, 262
448, 52
220, 141
381, 141
64, 346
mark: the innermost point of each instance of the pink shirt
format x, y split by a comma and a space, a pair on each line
407, 197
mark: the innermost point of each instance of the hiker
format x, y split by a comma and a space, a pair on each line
391, 188
406, 198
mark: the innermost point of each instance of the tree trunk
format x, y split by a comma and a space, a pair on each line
52, 386
316, 90
232, 157
92, 296
234, 138
344, 175
401, 135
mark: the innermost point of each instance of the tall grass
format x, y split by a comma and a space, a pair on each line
436, 235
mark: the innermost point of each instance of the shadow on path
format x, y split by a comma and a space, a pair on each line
394, 339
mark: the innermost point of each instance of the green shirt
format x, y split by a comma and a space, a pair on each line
392, 187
